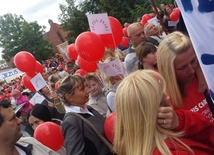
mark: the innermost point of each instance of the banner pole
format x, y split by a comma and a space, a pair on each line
159, 17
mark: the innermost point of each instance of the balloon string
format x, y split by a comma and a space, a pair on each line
113, 40
101, 80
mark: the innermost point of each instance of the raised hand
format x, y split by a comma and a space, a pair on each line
167, 118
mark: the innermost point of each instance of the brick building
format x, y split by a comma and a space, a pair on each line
56, 35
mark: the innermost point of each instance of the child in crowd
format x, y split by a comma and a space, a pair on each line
19, 99
97, 99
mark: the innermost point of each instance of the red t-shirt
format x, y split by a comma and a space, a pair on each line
196, 102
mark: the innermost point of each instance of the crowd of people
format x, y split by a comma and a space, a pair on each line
160, 102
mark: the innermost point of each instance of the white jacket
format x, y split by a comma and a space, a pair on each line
38, 148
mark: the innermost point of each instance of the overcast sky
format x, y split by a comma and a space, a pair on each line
35, 10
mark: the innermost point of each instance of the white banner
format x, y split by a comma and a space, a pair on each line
99, 23
198, 16
111, 68
10, 73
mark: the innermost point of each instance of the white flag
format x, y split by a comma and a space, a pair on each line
111, 68
10, 73
37, 99
63, 50
99, 23
198, 16
154, 21
38, 82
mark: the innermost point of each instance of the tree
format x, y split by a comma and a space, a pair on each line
73, 19
3, 64
16, 35
73, 16
120, 9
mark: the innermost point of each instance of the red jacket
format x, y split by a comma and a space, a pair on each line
199, 134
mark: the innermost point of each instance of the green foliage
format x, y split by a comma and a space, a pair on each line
18, 35
158, 2
140, 10
118, 9
73, 19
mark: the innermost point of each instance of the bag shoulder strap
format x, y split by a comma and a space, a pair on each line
93, 128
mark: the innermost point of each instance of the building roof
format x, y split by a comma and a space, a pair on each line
56, 35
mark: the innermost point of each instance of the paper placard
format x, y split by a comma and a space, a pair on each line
154, 21
38, 82
63, 50
111, 68
99, 23
37, 99
172, 23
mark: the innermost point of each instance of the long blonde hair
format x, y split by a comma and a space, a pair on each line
172, 45
136, 128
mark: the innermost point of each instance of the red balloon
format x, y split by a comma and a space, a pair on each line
90, 47
27, 83
114, 39
177, 10
109, 126
145, 19
124, 42
72, 52
25, 61
31, 74
50, 135
125, 33
81, 72
38, 69
175, 15
86, 66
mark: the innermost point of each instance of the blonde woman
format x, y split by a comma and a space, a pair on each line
137, 131
178, 64
53, 79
